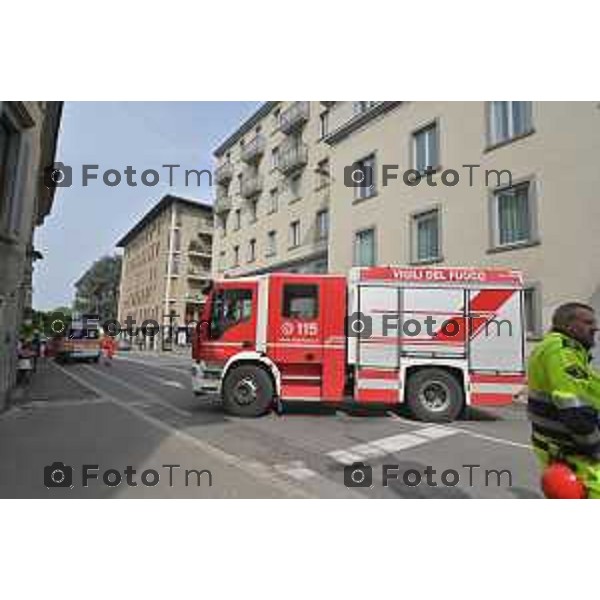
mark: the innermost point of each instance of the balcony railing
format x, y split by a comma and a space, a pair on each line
195, 273
294, 117
253, 149
293, 157
197, 248
251, 185
224, 173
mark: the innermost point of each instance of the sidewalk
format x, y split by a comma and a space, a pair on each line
48, 384
58, 419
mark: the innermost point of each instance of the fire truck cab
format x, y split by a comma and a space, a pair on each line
435, 339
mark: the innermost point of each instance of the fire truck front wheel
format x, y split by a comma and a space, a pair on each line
434, 395
247, 391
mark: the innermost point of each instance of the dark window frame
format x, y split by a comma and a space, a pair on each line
298, 289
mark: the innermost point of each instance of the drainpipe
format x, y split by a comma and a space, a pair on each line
169, 272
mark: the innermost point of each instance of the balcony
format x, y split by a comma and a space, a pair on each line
197, 249
197, 274
294, 117
254, 149
224, 173
252, 185
194, 298
206, 227
222, 203
293, 157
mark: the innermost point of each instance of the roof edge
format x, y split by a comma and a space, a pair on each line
246, 126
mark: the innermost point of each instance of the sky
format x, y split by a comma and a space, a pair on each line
86, 222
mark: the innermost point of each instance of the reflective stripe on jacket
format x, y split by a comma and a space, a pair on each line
564, 395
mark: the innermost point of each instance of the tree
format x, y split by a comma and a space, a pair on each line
98, 289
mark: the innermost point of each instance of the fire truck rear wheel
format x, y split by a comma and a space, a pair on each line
434, 395
248, 391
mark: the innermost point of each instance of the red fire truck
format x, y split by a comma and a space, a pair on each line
435, 339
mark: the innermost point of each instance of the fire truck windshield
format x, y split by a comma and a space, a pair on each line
229, 307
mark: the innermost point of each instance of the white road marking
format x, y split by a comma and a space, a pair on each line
459, 428
139, 392
175, 384
295, 469
253, 468
490, 438
63, 403
389, 445
168, 382
156, 365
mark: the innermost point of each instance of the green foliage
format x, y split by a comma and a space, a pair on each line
97, 291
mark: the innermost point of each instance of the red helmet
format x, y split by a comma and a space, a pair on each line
560, 482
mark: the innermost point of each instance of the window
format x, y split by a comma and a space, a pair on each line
322, 227
253, 211
324, 123
425, 148
512, 215
323, 174
229, 307
295, 186
236, 256
273, 200
176, 240
238, 219
275, 157
363, 174
532, 312
300, 301
252, 250
276, 114
175, 266
271, 243
364, 248
294, 234
508, 120
426, 236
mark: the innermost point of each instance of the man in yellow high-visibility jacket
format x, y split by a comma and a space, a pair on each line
564, 395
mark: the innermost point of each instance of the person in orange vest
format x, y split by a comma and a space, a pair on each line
108, 347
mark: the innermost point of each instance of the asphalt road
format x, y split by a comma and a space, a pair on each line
140, 412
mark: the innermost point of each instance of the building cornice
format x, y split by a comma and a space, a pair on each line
358, 121
164, 203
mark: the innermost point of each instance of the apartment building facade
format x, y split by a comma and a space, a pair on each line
28, 137
529, 200
273, 193
502, 183
166, 266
